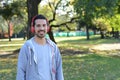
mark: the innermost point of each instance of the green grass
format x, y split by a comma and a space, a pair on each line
91, 67
6, 45
2, 42
75, 67
93, 40
8, 68
9, 48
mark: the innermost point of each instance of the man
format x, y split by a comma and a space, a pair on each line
39, 57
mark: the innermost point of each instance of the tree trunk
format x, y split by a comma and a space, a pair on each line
24, 36
116, 34
102, 34
2, 33
32, 6
25, 32
8, 22
94, 31
50, 33
113, 33
87, 32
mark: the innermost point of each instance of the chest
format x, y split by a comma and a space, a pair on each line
43, 52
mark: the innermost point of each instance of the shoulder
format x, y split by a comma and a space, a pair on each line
27, 43
51, 43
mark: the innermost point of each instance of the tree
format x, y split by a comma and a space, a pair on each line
90, 9
3, 28
102, 25
19, 26
115, 24
9, 10
59, 13
32, 8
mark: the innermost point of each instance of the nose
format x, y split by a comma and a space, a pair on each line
41, 28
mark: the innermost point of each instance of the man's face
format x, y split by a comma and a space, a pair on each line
40, 28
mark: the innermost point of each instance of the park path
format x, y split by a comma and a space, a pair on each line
108, 49
101, 47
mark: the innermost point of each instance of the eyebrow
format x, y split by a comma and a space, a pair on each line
41, 24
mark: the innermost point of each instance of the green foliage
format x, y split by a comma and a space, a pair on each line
3, 25
45, 9
64, 18
102, 24
8, 10
90, 9
63, 11
14, 11
95, 8
18, 28
115, 22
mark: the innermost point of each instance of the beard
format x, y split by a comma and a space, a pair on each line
40, 34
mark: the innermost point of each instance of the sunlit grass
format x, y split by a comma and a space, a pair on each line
83, 40
9, 48
14, 41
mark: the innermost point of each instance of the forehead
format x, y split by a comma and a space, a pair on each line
40, 21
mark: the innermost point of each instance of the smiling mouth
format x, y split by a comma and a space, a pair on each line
41, 32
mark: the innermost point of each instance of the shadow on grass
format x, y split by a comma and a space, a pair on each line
73, 52
91, 67
10, 54
63, 52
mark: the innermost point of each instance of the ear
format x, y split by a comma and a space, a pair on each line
48, 25
32, 29
48, 29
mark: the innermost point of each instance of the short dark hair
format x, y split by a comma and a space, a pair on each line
40, 16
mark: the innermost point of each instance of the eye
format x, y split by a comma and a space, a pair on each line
44, 25
38, 25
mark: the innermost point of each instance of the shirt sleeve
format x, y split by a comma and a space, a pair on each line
22, 62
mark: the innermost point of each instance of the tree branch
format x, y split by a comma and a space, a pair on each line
68, 27
54, 10
50, 5
74, 19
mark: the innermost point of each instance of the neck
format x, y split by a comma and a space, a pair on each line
41, 41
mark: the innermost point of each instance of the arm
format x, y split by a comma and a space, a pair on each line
22, 61
59, 71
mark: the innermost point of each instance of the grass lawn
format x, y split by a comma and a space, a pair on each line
75, 66
91, 67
